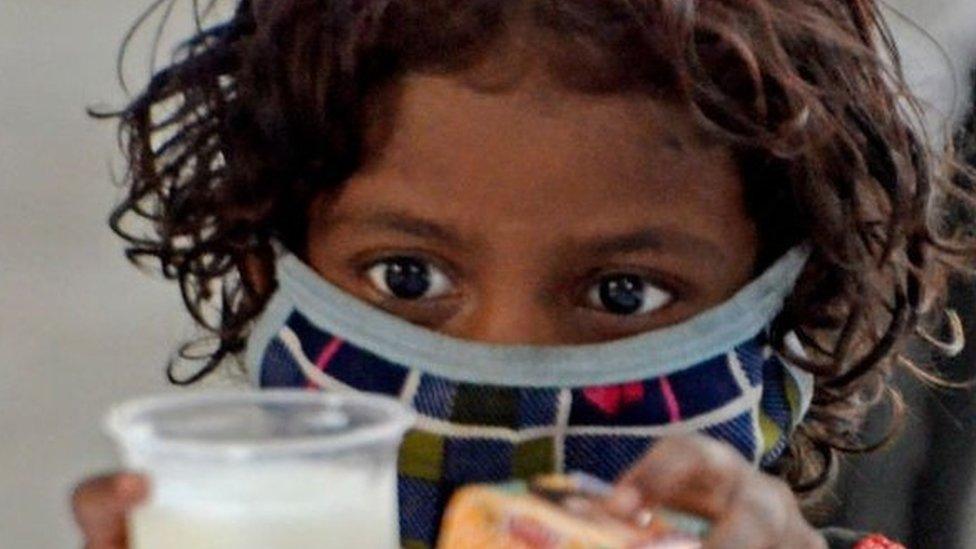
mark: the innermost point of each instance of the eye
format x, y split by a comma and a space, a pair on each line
409, 278
626, 295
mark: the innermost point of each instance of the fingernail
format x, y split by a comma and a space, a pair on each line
624, 500
129, 486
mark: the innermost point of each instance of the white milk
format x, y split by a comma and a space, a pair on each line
329, 506
263, 470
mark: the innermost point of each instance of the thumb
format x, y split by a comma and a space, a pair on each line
100, 506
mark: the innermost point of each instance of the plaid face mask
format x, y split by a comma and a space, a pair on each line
490, 413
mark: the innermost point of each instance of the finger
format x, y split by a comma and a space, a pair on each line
738, 530
688, 473
100, 505
806, 537
799, 533
764, 513
100, 545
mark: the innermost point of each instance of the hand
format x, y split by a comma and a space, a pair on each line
748, 509
101, 504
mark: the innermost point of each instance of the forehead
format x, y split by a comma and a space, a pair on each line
539, 154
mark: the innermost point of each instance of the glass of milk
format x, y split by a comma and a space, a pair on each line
260, 470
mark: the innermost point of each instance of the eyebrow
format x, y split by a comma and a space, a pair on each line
650, 239
640, 240
402, 222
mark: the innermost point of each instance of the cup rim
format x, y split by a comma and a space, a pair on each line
122, 425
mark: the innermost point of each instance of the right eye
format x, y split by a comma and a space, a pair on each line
409, 278
627, 295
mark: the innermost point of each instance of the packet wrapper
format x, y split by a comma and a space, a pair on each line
558, 512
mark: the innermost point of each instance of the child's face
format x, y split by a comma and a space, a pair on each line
537, 216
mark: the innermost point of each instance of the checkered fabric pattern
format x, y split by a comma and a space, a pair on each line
476, 433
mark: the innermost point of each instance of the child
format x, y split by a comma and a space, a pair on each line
561, 231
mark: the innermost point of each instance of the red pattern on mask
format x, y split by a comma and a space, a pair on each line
611, 399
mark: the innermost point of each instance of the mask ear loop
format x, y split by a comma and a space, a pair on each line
955, 344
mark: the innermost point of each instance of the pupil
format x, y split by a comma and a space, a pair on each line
622, 295
407, 278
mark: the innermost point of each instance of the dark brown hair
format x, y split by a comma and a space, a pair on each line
256, 116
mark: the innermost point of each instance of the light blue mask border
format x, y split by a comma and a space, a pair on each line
653, 354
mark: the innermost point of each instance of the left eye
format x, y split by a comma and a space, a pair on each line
626, 295
409, 278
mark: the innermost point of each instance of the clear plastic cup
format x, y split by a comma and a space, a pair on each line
281, 469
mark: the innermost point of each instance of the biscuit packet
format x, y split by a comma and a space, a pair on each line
559, 512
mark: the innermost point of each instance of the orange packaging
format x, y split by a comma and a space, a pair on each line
558, 512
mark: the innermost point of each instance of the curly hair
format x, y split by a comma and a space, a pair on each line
258, 115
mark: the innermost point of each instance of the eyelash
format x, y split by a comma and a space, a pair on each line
363, 263
581, 296
653, 279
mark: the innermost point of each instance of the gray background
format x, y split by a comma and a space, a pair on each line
79, 328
